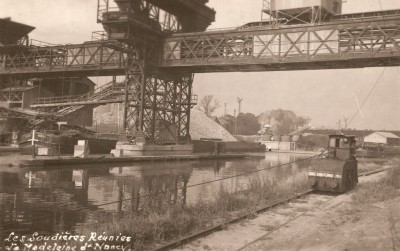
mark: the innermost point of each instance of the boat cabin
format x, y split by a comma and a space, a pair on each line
341, 147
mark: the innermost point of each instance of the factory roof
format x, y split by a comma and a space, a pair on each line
388, 135
11, 32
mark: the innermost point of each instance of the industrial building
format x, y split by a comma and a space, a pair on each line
384, 138
37, 92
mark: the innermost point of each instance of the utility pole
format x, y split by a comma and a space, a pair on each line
234, 115
345, 122
239, 100
339, 125
225, 111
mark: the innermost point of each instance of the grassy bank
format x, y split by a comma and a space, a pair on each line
369, 166
385, 190
380, 190
152, 226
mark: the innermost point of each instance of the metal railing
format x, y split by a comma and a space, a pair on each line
38, 43
365, 15
104, 89
53, 100
99, 36
110, 91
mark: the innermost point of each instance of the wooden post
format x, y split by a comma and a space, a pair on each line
33, 144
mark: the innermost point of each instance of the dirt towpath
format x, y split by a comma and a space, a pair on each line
317, 222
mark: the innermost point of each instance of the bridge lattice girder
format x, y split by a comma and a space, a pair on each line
88, 59
330, 46
338, 45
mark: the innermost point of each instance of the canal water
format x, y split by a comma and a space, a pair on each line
58, 199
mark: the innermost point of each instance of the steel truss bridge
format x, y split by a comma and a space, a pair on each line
158, 45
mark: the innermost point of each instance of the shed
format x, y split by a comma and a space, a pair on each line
386, 138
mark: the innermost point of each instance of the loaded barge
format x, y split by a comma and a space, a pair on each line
47, 162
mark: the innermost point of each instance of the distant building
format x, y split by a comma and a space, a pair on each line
359, 134
386, 138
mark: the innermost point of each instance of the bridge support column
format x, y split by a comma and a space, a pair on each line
134, 95
156, 112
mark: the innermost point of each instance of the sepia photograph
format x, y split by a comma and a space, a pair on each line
199, 125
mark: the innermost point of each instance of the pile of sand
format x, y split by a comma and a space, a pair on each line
202, 126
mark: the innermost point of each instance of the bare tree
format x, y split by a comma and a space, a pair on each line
208, 104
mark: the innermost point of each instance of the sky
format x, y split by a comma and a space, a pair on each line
323, 95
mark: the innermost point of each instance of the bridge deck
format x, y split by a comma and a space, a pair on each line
353, 44
371, 42
102, 58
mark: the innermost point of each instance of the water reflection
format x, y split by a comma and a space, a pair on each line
147, 186
57, 199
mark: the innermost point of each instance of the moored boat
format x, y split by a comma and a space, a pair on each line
63, 142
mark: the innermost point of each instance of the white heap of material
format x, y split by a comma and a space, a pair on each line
202, 126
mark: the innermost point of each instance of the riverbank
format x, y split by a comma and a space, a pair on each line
364, 219
160, 224
316, 153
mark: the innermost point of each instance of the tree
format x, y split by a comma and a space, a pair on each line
283, 122
228, 122
302, 121
247, 124
208, 105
